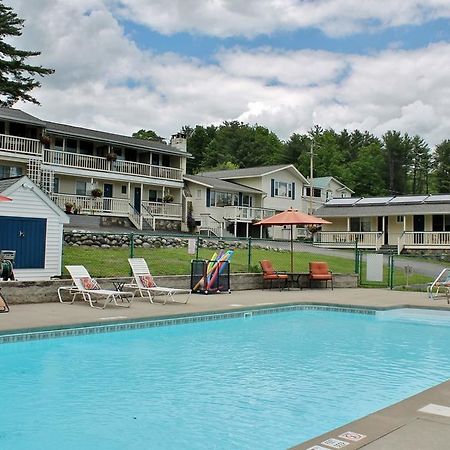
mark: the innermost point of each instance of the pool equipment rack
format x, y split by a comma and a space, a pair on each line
210, 276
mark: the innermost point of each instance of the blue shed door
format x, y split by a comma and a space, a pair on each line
27, 237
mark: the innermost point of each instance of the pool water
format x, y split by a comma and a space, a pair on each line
267, 382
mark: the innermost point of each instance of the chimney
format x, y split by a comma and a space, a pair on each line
179, 141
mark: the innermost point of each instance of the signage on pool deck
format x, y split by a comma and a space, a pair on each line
352, 436
335, 443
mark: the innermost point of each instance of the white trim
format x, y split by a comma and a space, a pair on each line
270, 172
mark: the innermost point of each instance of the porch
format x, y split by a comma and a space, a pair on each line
20, 146
246, 213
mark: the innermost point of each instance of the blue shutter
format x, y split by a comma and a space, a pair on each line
208, 197
293, 191
272, 187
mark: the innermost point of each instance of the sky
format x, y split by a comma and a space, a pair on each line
288, 65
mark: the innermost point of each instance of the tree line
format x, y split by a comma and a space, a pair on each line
395, 164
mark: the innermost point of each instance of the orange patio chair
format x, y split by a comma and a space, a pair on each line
318, 271
270, 275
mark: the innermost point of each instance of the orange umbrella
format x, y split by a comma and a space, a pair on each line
293, 217
5, 199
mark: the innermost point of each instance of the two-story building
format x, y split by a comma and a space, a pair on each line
233, 200
94, 172
325, 189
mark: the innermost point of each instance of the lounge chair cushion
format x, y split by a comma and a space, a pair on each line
89, 284
147, 281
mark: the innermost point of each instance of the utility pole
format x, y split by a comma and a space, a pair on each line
311, 175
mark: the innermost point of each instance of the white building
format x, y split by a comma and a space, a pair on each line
32, 225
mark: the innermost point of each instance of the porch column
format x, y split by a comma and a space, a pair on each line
260, 231
348, 223
235, 227
404, 223
129, 192
246, 232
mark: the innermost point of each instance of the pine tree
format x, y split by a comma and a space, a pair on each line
17, 78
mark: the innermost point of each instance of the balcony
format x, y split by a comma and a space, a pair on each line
101, 164
246, 213
436, 240
95, 206
20, 145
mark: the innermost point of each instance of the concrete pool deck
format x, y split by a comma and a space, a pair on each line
400, 426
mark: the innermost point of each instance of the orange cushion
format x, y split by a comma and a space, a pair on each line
319, 276
88, 283
147, 281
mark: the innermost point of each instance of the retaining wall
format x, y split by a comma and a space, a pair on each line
17, 292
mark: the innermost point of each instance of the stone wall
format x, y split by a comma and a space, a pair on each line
19, 292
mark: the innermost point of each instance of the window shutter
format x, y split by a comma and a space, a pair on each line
293, 191
208, 197
272, 187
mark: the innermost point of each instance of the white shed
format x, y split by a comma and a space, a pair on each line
32, 225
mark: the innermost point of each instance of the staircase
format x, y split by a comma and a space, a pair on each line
387, 249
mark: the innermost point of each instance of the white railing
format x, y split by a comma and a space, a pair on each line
428, 239
247, 213
163, 209
17, 144
135, 217
210, 225
84, 204
79, 161
366, 239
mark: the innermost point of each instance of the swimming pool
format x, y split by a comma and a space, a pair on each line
265, 382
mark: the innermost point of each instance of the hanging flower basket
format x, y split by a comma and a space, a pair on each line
45, 139
111, 156
68, 207
96, 193
168, 198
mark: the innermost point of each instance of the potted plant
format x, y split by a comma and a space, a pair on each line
68, 207
96, 193
111, 156
45, 139
168, 198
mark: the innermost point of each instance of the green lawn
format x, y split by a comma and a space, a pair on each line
113, 262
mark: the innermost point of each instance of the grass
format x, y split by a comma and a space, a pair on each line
112, 262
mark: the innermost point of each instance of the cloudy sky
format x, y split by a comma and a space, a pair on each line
123, 65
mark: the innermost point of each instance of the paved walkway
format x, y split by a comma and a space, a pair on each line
419, 422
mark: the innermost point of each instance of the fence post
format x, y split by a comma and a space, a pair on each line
356, 257
249, 254
391, 271
196, 247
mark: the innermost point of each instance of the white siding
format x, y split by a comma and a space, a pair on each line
26, 203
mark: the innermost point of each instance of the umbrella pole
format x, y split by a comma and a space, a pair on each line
292, 248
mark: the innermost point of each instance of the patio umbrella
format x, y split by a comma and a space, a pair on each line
5, 199
293, 217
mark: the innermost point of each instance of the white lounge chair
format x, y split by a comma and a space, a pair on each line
440, 284
87, 287
145, 284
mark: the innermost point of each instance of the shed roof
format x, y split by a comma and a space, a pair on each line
216, 183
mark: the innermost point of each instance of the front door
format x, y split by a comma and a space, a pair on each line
137, 199
418, 228
107, 196
383, 225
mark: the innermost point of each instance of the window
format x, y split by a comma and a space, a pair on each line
81, 188
360, 224
400, 219
86, 148
56, 185
71, 145
59, 144
441, 222
247, 200
329, 195
283, 189
316, 192
154, 195
221, 199
124, 189
10, 171
198, 194
166, 160
155, 159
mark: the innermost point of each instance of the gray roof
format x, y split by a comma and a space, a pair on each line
247, 172
386, 206
323, 182
111, 138
5, 183
216, 183
17, 115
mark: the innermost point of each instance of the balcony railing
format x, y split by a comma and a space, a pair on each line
424, 239
162, 209
342, 239
20, 145
89, 162
90, 205
247, 213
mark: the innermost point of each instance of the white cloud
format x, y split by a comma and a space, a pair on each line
104, 81
252, 17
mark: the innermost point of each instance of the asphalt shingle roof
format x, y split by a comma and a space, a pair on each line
222, 185
19, 116
5, 183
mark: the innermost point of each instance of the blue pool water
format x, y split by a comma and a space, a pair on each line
268, 382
